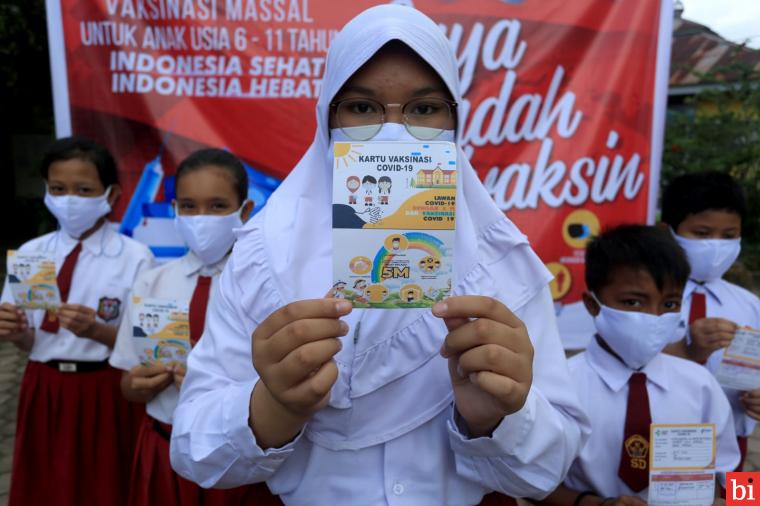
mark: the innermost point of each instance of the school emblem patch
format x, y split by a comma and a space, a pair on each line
637, 448
109, 308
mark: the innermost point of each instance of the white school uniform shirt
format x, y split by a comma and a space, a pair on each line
430, 463
173, 280
105, 270
434, 463
680, 391
731, 302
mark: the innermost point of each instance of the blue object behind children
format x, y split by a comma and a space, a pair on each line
142, 204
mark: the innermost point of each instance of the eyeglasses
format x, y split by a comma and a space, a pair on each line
362, 118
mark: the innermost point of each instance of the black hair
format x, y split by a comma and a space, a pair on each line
651, 249
218, 158
81, 148
369, 179
384, 179
701, 191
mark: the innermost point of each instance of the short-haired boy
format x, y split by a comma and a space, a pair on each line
705, 211
635, 277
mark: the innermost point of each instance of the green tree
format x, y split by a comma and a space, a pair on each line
720, 130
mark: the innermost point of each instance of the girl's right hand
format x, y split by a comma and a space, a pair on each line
144, 382
13, 323
293, 349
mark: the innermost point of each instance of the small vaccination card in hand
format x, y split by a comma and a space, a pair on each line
161, 331
32, 280
739, 367
394, 210
681, 464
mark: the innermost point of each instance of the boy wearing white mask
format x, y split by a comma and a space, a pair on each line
68, 382
211, 202
635, 277
705, 212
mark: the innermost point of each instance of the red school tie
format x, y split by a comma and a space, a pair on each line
634, 459
698, 308
50, 323
198, 305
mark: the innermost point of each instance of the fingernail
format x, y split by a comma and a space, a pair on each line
473, 378
343, 328
460, 371
440, 309
343, 306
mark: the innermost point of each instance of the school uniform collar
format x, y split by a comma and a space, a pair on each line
192, 265
616, 374
104, 240
711, 288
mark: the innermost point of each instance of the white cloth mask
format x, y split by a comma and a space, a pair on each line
210, 237
636, 337
388, 132
75, 214
709, 258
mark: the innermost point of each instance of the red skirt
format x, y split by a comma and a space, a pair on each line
155, 482
75, 438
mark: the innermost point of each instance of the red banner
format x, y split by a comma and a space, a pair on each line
564, 101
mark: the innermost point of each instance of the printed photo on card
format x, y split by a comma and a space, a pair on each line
32, 280
739, 367
161, 331
394, 215
682, 464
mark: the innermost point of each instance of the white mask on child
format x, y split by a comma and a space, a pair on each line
709, 258
388, 132
636, 337
76, 215
210, 237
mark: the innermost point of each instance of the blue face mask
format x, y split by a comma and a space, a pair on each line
636, 337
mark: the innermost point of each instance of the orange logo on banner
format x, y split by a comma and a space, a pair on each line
741, 488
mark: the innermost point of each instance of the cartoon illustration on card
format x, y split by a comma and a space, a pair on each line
352, 184
32, 280
393, 245
161, 331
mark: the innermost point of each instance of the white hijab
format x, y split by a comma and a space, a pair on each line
286, 250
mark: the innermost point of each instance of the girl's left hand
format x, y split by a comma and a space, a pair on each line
490, 360
78, 319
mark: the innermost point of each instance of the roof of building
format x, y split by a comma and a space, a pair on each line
697, 51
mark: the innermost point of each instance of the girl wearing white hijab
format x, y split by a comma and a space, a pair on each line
333, 406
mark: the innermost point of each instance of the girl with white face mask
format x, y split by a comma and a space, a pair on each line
211, 203
635, 277
67, 379
341, 407
704, 211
